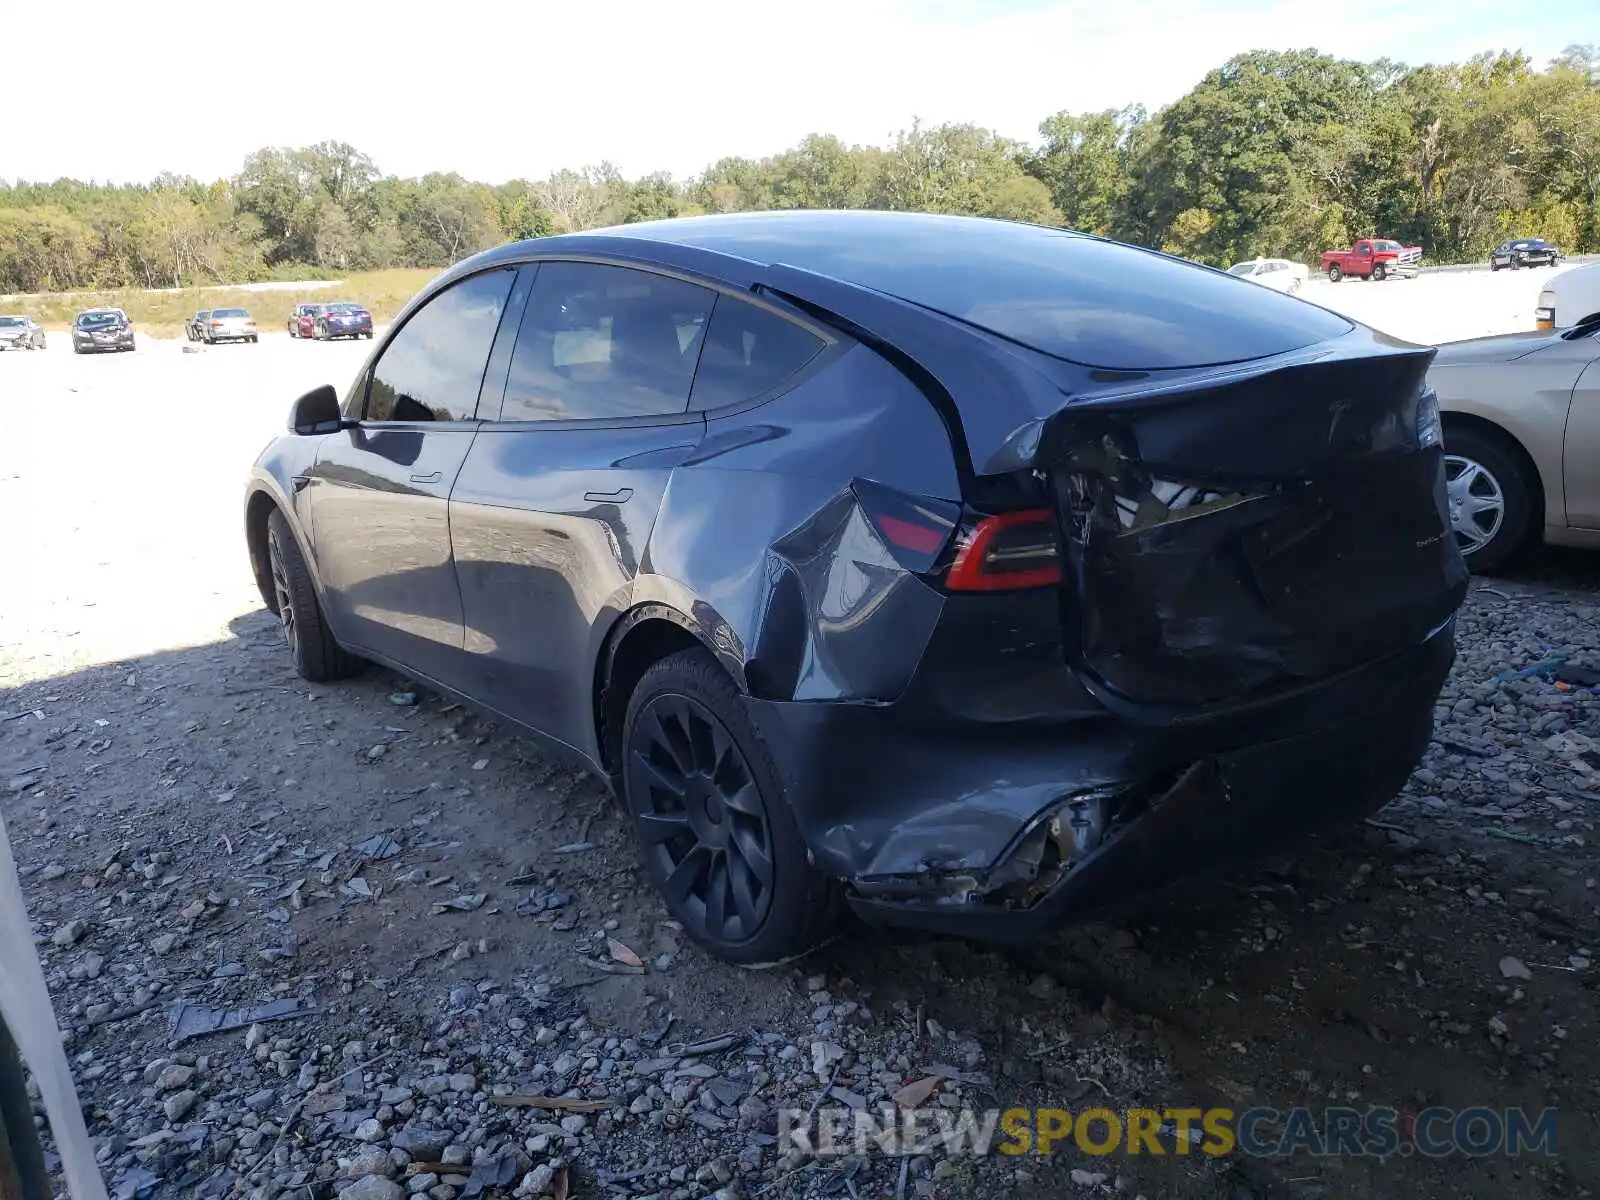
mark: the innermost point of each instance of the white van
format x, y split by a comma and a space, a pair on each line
1572, 295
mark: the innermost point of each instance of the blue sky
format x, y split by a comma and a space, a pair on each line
498, 89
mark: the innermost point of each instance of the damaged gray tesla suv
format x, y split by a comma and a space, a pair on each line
965, 573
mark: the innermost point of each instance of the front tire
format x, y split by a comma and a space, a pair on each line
716, 836
317, 656
1379, 273
1492, 499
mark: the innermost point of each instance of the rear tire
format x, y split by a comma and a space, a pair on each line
1490, 544
1335, 274
317, 656
716, 836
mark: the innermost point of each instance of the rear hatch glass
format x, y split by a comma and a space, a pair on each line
1097, 303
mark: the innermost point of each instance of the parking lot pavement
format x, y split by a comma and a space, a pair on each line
1438, 306
458, 920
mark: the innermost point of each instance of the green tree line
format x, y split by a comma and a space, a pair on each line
1272, 153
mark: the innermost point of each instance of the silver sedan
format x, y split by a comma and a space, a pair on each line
1522, 440
20, 333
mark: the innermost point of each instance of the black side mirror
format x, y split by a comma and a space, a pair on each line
316, 412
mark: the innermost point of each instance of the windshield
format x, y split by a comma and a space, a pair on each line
1389, 246
1241, 269
98, 320
230, 312
11, 322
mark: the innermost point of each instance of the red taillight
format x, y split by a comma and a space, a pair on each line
1012, 550
216, 324
909, 535
914, 529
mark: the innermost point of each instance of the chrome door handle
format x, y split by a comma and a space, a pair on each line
430, 477
619, 496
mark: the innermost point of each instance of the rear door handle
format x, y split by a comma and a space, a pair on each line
430, 477
620, 496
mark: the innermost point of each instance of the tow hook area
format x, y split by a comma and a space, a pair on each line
1052, 845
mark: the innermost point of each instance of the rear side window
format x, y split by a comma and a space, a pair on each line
433, 368
748, 352
600, 342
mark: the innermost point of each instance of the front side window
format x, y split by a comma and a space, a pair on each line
748, 352
600, 342
433, 367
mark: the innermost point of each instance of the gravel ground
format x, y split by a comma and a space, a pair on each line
412, 923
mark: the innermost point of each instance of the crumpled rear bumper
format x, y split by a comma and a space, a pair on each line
942, 829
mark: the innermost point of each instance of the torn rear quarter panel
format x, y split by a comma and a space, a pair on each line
809, 598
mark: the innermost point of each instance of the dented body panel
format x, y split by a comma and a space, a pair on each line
1232, 632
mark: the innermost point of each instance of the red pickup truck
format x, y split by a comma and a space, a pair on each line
1372, 258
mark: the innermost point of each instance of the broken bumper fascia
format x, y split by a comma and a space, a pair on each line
943, 829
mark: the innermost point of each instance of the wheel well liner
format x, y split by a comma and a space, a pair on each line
641, 638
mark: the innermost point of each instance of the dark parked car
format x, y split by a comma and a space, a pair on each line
303, 321
977, 574
1524, 252
195, 329
98, 329
20, 333
342, 319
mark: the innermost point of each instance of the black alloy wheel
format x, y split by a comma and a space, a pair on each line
715, 832
317, 656
702, 819
282, 593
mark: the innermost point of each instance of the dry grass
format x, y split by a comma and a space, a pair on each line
164, 313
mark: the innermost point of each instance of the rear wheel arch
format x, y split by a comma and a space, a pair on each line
639, 639
1508, 441
1499, 438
